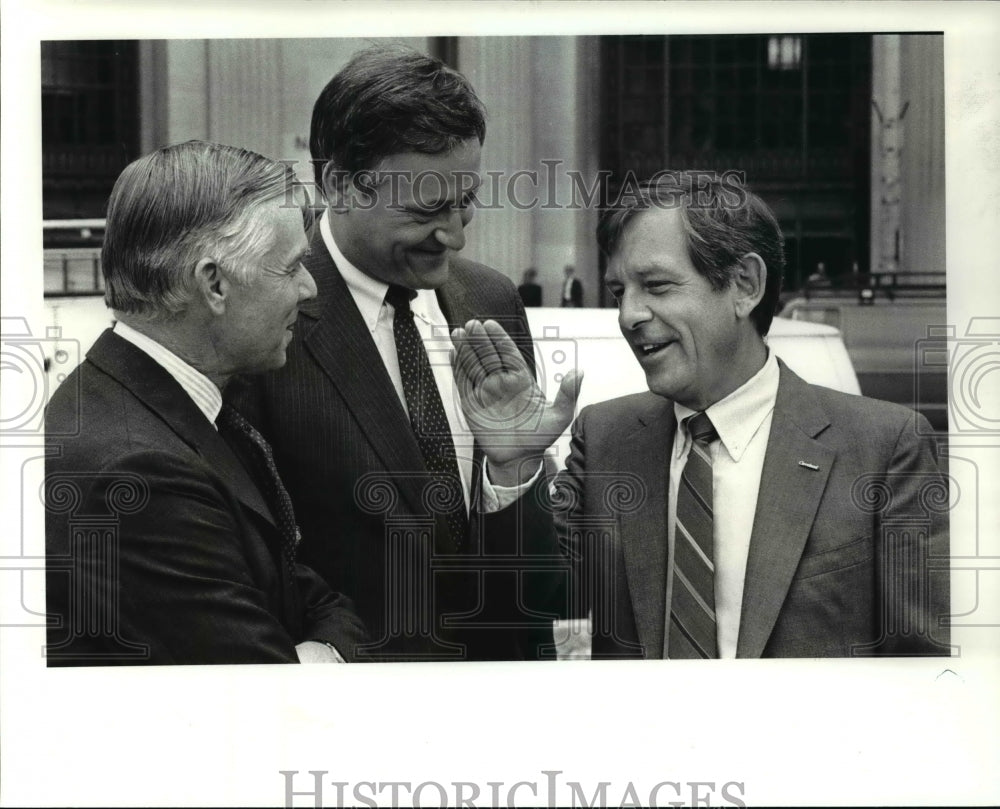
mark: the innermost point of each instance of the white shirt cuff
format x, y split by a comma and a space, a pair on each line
497, 498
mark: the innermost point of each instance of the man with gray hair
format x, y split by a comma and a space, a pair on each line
169, 535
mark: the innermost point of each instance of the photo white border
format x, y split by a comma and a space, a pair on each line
794, 732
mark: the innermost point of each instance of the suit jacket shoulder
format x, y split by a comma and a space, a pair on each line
831, 570
475, 291
839, 405
617, 414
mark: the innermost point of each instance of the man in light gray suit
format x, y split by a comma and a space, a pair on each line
735, 510
810, 522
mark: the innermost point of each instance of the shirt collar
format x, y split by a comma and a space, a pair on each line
738, 417
369, 293
200, 388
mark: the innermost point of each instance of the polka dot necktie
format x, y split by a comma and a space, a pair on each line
240, 433
427, 417
692, 609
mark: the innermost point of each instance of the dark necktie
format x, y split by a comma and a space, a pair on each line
427, 416
692, 608
239, 432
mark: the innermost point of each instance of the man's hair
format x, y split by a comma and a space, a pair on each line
723, 221
390, 100
177, 205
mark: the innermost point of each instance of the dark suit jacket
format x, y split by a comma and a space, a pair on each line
575, 294
160, 548
345, 449
839, 555
531, 294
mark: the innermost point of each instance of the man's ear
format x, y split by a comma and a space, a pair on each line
212, 285
337, 187
749, 283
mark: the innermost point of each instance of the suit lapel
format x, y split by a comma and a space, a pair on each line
453, 298
787, 501
646, 454
341, 344
461, 300
149, 382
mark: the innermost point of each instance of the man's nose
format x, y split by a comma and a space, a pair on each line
632, 313
307, 285
451, 233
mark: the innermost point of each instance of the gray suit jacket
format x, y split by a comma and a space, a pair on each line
848, 559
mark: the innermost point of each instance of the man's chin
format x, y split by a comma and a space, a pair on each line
275, 360
661, 385
428, 273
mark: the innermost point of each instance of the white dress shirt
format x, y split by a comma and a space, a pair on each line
199, 387
568, 289
743, 421
369, 296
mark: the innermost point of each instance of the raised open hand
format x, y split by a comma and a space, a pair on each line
505, 408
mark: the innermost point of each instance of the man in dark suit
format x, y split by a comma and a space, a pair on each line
530, 290
446, 561
734, 510
167, 542
572, 292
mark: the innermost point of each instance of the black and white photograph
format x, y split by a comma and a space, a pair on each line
611, 398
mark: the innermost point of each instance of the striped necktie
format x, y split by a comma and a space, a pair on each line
427, 417
692, 609
241, 434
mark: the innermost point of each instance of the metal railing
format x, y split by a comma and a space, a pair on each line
71, 251
867, 286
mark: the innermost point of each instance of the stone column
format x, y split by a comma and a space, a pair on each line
888, 114
566, 147
501, 233
186, 90
225, 90
245, 98
922, 208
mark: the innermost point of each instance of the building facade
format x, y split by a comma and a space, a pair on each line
843, 134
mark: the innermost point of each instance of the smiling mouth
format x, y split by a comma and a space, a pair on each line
648, 349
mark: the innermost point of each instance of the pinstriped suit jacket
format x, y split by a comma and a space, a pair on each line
348, 456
